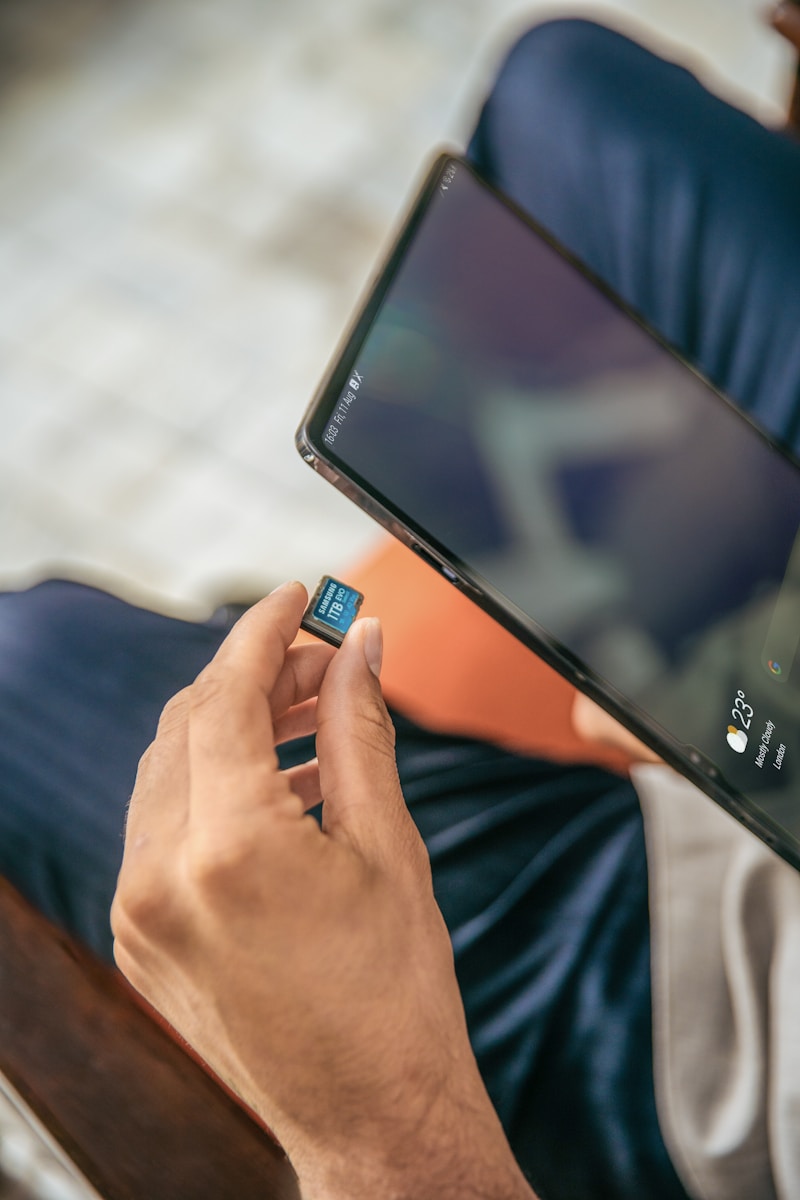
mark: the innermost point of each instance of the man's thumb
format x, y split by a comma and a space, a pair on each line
363, 803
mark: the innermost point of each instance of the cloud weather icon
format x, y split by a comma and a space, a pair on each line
737, 739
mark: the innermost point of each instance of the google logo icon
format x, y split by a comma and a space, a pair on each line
775, 667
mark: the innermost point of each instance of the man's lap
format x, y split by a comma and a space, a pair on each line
83, 679
540, 873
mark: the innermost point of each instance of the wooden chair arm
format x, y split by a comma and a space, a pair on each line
135, 1113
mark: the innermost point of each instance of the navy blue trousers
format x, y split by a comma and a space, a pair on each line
687, 207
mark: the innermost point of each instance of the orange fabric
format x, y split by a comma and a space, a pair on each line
450, 667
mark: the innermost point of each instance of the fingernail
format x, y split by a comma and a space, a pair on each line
290, 583
372, 643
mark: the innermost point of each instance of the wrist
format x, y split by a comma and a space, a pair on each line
479, 1179
465, 1156
482, 1174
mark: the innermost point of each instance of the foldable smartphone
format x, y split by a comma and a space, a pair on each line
501, 412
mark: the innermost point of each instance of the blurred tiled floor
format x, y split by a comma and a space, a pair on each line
192, 194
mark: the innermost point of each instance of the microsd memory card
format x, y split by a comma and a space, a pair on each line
333, 608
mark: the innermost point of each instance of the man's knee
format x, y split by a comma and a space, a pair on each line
561, 49
563, 129
565, 65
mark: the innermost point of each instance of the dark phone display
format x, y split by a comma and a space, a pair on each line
503, 403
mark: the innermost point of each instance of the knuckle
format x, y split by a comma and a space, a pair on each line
136, 904
215, 685
212, 862
218, 697
375, 725
208, 691
173, 713
137, 911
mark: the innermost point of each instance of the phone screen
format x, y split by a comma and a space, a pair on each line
501, 403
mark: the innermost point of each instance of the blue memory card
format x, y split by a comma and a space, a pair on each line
333, 608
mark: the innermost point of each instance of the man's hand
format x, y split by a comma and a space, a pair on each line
309, 967
594, 724
785, 17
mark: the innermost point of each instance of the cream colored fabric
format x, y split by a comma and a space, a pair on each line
725, 916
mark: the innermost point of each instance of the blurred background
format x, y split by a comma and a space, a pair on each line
192, 195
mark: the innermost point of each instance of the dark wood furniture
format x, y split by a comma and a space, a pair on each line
138, 1116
